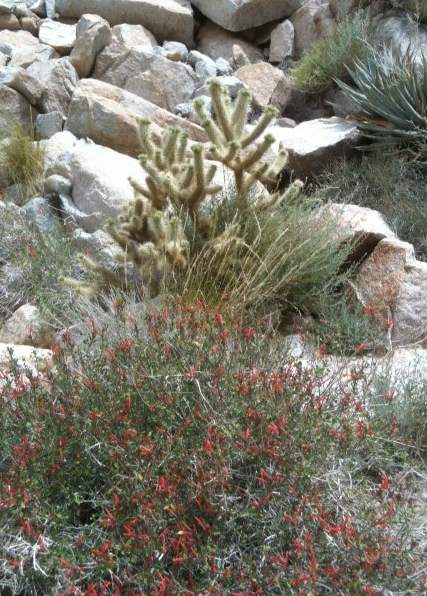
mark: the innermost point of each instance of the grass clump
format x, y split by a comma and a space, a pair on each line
185, 452
22, 159
395, 186
292, 261
328, 58
345, 329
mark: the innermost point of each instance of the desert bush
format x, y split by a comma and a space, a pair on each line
187, 234
395, 186
404, 403
328, 58
23, 161
417, 7
345, 329
390, 90
181, 452
31, 264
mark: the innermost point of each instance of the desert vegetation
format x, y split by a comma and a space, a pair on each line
213, 363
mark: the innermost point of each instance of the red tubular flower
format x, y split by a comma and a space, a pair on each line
248, 333
125, 345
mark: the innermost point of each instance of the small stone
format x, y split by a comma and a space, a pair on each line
223, 66
56, 184
174, 50
205, 70
268, 85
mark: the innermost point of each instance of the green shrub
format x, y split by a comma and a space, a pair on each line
328, 58
22, 159
185, 234
346, 330
185, 453
390, 90
417, 7
30, 266
394, 186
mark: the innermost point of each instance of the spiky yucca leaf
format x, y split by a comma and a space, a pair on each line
391, 95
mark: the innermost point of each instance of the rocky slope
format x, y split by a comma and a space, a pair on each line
86, 71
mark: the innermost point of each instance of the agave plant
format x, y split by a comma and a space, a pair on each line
390, 94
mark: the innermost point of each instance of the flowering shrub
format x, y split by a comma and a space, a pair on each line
190, 456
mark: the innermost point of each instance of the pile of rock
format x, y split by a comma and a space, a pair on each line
85, 71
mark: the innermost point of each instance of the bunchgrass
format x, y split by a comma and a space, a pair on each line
328, 58
288, 259
22, 159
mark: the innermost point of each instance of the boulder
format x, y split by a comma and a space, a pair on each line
393, 284
311, 22
148, 74
99, 246
59, 36
246, 14
109, 116
93, 34
20, 80
282, 42
10, 22
58, 146
216, 43
49, 124
268, 85
313, 144
59, 79
166, 19
99, 178
359, 227
133, 36
24, 49
26, 327
14, 108
26, 357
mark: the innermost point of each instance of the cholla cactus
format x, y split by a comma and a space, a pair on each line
236, 147
165, 222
